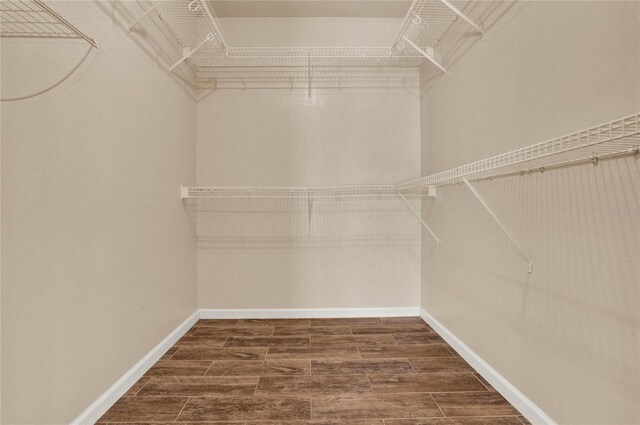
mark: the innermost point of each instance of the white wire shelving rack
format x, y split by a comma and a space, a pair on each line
197, 29
299, 216
615, 138
34, 19
299, 205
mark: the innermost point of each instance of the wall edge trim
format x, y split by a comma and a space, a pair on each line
303, 313
107, 399
527, 408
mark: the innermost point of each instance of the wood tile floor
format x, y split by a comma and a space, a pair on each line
364, 371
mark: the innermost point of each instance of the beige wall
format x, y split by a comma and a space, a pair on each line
360, 254
98, 263
567, 334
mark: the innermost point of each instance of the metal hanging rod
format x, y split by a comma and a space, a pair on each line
618, 137
34, 19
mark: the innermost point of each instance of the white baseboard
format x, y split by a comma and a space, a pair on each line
296, 313
529, 409
99, 407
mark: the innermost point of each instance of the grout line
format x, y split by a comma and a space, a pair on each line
411, 364
439, 408
255, 390
370, 386
475, 375
180, 412
206, 371
359, 353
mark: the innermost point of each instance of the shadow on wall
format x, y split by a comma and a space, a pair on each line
302, 223
581, 227
461, 37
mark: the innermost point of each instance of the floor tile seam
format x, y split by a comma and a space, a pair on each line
185, 405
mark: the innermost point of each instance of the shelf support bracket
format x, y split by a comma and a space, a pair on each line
144, 15
502, 227
463, 16
415, 213
187, 52
423, 53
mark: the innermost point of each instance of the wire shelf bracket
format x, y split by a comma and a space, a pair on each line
463, 16
187, 52
415, 213
144, 15
502, 226
429, 55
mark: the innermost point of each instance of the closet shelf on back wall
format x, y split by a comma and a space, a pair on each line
334, 214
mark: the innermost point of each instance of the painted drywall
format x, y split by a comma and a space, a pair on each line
273, 254
310, 32
567, 334
98, 261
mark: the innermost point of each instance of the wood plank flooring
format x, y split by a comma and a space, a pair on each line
343, 371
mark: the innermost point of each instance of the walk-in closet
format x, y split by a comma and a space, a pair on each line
320, 212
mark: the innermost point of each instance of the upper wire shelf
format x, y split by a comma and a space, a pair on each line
34, 19
296, 192
214, 63
615, 138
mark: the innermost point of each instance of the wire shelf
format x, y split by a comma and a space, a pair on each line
196, 27
299, 216
615, 138
293, 192
34, 19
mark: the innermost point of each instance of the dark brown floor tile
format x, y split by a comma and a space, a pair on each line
205, 386
440, 364
179, 368
345, 351
198, 340
378, 406
424, 383
259, 368
321, 422
327, 340
380, 330
484, 382
417, 338
487, 403
145, 409
509, 420
170, 352
347, 321
524, 420
311, 330
403, 351
245, 408
314, 385
359, 366
215, 332
224, 323
214, 353
409, 320
136, 387
191, 330
273, 322
174, 423
267, 341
